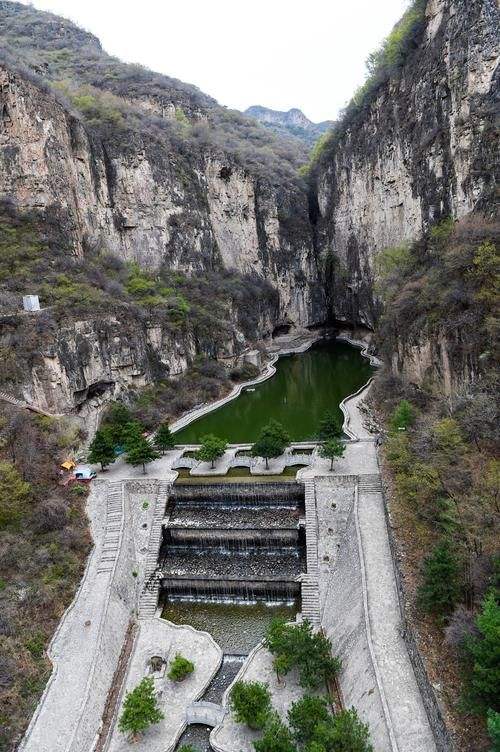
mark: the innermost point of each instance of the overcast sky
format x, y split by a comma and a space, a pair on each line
277, 53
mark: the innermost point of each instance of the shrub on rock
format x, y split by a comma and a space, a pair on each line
180, 667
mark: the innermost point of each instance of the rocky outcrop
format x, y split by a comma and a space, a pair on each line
291, 123
138, 181
444, 362
154, 205
422, 150
80, 365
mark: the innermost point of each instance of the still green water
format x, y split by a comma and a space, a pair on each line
304, 388
236, 627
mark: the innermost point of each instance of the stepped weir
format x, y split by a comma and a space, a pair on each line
233, 542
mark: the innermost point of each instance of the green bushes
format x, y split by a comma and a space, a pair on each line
140, 709
403, 416
297, 646
251, 703
493, 723
276, 737
14, 495
312, 727
483, 653
180, 667
305, 715
36, 645
440, 587
344, 732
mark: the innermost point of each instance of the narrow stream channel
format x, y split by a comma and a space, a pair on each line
305, 386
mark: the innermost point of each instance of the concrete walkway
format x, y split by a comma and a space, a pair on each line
86, 646
360, 612
161, 638
353, 417
74, 647
410, 726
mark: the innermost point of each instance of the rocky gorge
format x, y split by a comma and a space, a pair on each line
149, 170
171, 241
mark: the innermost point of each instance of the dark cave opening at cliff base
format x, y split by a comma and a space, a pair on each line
93, 390
281, 329
305, 387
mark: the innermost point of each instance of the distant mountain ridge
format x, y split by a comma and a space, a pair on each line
293, 123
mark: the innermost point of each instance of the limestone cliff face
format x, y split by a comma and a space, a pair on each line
423, 150
78, 366
158, 204
442, 361
145, 202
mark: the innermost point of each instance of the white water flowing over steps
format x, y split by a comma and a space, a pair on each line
148, 600
113, 529
310, 581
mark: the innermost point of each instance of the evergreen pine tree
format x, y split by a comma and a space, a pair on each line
102, 449
440, 587
403, 416
484, 651
164, 438
140, 708
140, 452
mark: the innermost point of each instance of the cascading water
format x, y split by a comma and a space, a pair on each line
241, 542
231, 560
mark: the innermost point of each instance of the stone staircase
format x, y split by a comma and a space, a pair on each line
113, 529
310, 581
370, 483
27, 405
345, 478
148, 599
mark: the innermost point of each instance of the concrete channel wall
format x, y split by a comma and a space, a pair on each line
442, 736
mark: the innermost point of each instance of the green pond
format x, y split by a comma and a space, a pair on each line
236, 627
305, 386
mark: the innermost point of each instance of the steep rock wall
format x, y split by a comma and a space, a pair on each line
146, 202
78, 366
447, 362
424, 149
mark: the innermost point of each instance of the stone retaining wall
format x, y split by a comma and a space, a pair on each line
441, 734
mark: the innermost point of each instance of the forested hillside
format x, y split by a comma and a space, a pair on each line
438, 398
